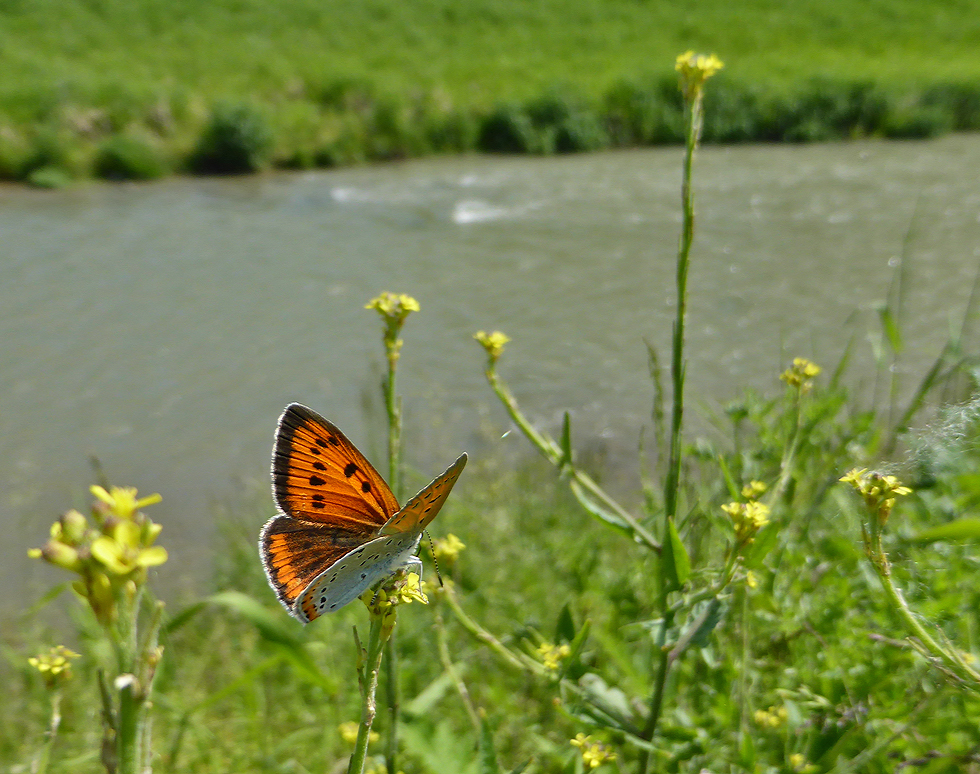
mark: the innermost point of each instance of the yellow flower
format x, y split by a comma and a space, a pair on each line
773, 717
753, 490
594, 754
409, 590
493, 343
121, 550
121, 500
54, 665
552, 655
694, 70
751, 580
747, 518
446, 550
393, 306
877, 490
801, 374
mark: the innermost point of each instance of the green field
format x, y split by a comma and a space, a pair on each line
342, 83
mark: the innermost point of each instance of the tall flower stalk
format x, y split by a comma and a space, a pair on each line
694, 70
111, 559
394, 309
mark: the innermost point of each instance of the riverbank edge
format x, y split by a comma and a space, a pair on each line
349, 122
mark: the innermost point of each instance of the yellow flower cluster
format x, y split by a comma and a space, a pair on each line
111, 557
877, 490
801, 374
493, 343
401, 589
799, 764
446, 550
694, 70
773, 717
747, 518
753, 490
552, 655
393, 306
54, 665
594, 754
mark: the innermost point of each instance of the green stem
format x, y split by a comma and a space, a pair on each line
952, 660
677, 368
450, 667
393, 410
553, 453
41, 762
368, 679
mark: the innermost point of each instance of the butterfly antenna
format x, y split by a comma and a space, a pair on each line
432, 552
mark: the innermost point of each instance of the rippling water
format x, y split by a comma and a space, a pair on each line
163, 327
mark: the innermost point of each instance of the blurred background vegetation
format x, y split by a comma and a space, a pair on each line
139, 89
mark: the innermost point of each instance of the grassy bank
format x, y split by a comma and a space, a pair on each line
141, 89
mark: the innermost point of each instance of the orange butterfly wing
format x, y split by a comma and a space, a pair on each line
295, 552
422, 509
319, 476
332, 501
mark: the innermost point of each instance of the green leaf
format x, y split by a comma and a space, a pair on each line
606, 517
571, 664
487, 755
961, 529
707, 618
765, 540
677, 564
890, 327
432, 694
565, 628
566, 442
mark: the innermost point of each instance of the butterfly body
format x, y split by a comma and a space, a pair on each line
340, 529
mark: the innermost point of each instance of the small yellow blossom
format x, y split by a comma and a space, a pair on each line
399, 589
396, 306
747, 518
54, 665
409, 590
694, 70
552, 655
446, 550
393, 308
751, 580
493, 343
348, 732
594, 754
801, 374
753, 490
121, 500
773, 717
877, 490
800, 766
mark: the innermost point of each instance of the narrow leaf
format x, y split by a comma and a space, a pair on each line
961, 529
677, 563
566, 442
565, 628
487, 755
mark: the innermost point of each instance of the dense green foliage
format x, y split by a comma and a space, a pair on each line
343, 83
810, 661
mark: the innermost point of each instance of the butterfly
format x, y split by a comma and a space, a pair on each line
339, 529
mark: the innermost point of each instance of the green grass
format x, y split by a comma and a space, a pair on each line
346, 82
228, 699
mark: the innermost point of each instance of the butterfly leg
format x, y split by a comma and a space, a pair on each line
413, 564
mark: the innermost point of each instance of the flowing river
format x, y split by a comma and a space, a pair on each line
161, 328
